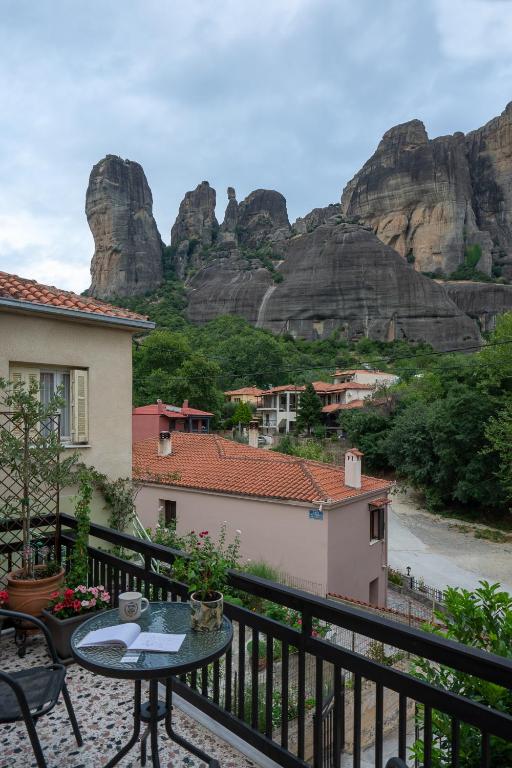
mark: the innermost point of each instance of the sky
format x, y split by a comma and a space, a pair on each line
292, 95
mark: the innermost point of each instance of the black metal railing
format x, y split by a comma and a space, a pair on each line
298, 697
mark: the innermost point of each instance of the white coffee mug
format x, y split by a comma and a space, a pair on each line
130, 606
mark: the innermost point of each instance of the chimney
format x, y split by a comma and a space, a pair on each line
165, 444
160, 405
185, 404
254, 429
353, 468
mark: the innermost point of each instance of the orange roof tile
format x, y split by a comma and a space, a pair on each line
28, 291
177, 412
343, 406
212, 463
246, 391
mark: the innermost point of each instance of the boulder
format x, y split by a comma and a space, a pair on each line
128, 249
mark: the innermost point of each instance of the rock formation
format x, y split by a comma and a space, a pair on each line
196, 217
484, 302
262, 217
490, 161
128, 249
331, 213
417, 195
339, 276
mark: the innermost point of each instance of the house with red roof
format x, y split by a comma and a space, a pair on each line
318, 523
83, 347
249, 395
150, 420
278, 406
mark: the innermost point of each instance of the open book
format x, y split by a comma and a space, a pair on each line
129, 636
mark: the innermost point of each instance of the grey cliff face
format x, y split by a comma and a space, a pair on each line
196, 217
262, 217
330, 214
490, 160
417, 195
484, 302
336, 277
128, 249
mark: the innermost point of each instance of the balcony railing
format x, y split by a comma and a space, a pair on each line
300, 698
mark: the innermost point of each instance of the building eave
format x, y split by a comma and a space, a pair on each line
75, 315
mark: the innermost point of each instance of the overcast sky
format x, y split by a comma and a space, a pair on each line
292, 95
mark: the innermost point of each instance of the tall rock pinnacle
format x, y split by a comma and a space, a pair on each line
196, 217
128, 249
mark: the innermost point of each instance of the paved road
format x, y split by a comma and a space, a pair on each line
441, 554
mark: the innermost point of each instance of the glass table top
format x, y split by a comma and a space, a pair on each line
197, 649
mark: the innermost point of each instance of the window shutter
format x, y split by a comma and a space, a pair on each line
26, 375
80, 406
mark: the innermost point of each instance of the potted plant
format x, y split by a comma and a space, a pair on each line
68, 608
205, 572
30, 460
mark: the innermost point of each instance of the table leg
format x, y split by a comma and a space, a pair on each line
210, 761
153, 723
136, 728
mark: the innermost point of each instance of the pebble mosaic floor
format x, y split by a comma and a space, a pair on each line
103, 708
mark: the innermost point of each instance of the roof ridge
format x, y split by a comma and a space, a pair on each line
308, 474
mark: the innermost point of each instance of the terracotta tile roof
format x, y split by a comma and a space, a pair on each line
212, 463
285, 388
22, 289
361, 370
320, 387
177, 412
343, 406
245, 391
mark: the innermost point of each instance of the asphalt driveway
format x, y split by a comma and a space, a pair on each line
438, 551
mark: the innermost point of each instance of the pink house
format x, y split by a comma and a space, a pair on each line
150, 420
320, 524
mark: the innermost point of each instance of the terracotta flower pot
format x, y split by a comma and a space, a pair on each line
32, 595
206, 616
62, 629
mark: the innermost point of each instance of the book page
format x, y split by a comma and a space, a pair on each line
121, 634
157, 641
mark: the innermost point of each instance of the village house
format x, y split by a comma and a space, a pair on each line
278, 406
84, 347
317, 523
365, 376
249, 395
150, 420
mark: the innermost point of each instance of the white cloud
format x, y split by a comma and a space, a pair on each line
472, 30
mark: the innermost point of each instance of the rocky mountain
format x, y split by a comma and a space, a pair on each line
431, 200
418, 205
128, 248
337, 277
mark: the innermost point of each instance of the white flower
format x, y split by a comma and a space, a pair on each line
238, 531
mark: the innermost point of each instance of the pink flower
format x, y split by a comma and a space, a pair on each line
85, 603
106, 597
92, 602
81, 588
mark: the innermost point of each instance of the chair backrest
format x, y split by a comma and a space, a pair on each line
19, 617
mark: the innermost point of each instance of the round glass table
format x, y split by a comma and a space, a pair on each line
197, 650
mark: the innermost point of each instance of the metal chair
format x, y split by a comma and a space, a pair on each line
29, 693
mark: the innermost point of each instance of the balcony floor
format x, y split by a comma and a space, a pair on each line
103, 708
